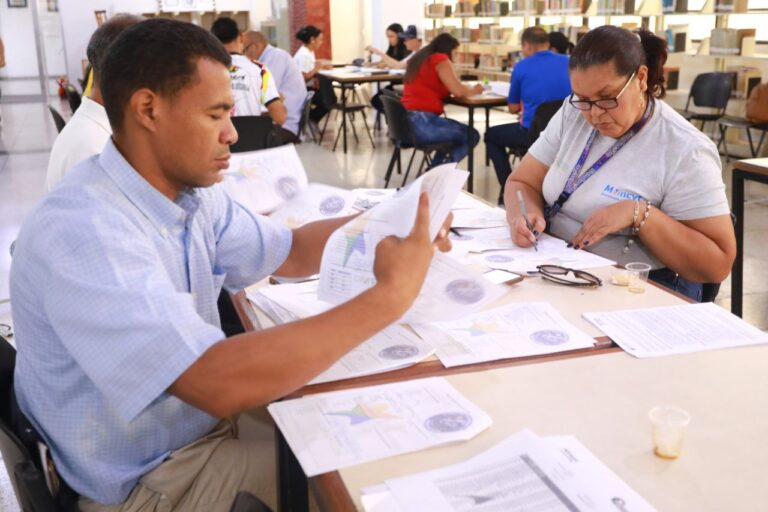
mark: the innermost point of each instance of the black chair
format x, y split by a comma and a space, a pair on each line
726, 122
57, 119
73, 97
254, 133
330, 101
247, 502
544, 113
18, 443
709, 90
304, 124
401, 134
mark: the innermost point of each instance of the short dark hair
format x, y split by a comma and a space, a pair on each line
560, 42
535, 35
104, 36
305, 34
225, 29
627, 51
158, 54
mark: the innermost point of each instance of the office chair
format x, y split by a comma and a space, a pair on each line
710, 90
331, 102
544, 113
304, 124
402, 136
57, 119
726, 122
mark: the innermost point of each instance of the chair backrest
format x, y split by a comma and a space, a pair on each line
711, 90
544, 113
253, 133
57, 119
400, 130
305, 110
26, 477
325, 89
73, 97
391, 93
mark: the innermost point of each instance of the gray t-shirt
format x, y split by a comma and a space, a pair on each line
669, 163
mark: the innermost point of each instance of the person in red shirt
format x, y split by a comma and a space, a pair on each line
429, 79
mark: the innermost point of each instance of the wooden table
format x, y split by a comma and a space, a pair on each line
486, 101
571, 302
348, 80
755, 169
604, 402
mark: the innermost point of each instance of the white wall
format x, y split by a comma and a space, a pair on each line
17, 31
385, 12
347, 30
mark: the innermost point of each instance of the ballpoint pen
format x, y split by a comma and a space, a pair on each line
524, 213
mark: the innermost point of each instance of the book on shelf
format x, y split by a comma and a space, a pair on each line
728, 41
493, 8
437, 10
677, 38
745, 78
731, 6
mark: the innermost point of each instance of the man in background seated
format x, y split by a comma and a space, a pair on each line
541, 76
122, 366
252, 84
88, 130
289, 80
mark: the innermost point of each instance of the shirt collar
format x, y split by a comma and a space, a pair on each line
156, 207
95, 112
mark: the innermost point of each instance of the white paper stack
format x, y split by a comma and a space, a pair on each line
330, 431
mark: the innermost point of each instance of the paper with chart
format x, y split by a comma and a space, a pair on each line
681, 329
512, 330
479, 218
367, 198
330, 431
523, 472
316, 202
393, 348
263, 180
346, 269
493, 248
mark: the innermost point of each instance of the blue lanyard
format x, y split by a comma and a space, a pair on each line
577, 178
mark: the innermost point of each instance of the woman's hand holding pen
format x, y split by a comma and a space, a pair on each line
521, 235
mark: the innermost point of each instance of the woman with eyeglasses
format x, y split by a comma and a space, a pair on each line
618, 172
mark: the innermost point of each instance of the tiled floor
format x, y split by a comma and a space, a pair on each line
27, 133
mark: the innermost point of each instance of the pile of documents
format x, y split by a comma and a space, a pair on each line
523, 472
335, 430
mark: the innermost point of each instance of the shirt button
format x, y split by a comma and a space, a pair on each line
164, 231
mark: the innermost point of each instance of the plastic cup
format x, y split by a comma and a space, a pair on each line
637, 276
668, 424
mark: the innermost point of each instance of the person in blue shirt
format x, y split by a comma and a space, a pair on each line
122, 366
541, 76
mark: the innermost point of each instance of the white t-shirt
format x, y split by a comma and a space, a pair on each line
289, 82
669, 163
252, 86
84, 136
305, 59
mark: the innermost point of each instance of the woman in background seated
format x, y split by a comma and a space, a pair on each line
396, 51
311, 38
429, 80
559, 43
619, 173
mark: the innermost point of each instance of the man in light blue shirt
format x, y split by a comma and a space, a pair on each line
122, 366
290, 81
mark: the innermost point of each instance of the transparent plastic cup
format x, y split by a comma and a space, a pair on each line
637, 276
668, 424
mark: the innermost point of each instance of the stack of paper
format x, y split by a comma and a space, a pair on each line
512, 330
330, 431
676, 329
523, 472
316, 202
263, 180
450, 289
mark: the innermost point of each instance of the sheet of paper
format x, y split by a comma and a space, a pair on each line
346, 269
275, 312
367, 198
681, 329
393, 348
512, 330
499, 88
479, 218
523, 472
316, 202
498, 251
465, 201
263, 180
344, 428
